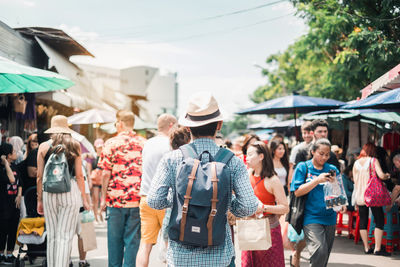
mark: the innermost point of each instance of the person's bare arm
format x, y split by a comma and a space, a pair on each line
18, 198
276, 188
89, 171
106, 178
395, 193
43, 148
290, 176
79, 175
9, 172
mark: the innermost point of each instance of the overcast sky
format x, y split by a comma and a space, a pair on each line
208, 51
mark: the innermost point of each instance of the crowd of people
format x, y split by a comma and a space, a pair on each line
133, 182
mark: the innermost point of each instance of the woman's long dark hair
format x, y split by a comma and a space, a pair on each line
71, 147
32, 137
273, 145
267, 169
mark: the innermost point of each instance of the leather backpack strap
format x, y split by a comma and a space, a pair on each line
185, 206
214, 200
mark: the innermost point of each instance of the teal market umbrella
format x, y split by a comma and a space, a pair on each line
17, 78
371, 115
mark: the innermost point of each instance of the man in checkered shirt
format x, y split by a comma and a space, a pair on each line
204, 120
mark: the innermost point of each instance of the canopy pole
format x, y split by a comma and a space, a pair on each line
295, 125
359, 131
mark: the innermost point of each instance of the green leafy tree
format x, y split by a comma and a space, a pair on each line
238, 125
348, 45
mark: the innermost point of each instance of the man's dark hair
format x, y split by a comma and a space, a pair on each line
228, 143
205, 130
319, 123
6, 149
179, 137
306, 126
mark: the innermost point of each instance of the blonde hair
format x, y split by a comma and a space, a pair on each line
127, 117
164, 121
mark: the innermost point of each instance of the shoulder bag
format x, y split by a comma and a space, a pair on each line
376, 194
295, 216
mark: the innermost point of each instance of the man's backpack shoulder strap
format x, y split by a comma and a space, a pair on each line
224, 155
188, 151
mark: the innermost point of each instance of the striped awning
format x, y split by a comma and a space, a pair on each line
388, 81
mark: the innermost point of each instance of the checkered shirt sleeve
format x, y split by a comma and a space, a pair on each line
243, 203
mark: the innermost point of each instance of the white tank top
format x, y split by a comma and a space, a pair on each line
281, 173
361, 178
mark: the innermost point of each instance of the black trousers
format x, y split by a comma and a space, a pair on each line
379, 217
8, 230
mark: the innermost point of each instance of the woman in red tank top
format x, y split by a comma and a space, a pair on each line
269, 190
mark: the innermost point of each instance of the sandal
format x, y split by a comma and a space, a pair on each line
290, 261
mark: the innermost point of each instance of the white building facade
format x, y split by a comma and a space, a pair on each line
152, 90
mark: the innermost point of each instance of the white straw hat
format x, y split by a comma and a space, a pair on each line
59, 124
202, 109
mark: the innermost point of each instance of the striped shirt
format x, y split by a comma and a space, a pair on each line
243, 203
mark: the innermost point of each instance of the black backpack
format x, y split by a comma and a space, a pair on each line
200, 202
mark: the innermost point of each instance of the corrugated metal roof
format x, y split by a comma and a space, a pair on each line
57, 39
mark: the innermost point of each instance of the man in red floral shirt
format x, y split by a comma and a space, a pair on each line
121, 162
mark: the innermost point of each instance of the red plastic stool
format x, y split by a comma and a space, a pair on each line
346, 227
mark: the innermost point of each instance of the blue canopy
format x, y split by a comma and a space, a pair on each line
293, 104
387, 100
370, 115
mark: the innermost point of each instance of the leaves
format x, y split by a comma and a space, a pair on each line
348, 45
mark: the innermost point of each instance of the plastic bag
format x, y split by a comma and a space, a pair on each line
334, 194
87, 216
293, 236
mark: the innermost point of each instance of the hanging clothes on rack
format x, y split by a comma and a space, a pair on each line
391, 141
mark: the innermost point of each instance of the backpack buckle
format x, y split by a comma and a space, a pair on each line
184, 209
213, 212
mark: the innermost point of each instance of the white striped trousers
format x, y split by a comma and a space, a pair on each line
61, 212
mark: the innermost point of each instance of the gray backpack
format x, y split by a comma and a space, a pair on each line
202, 192
56, 175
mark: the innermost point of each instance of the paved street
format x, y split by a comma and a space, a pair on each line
345, 253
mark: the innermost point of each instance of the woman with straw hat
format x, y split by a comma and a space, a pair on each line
60, 210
